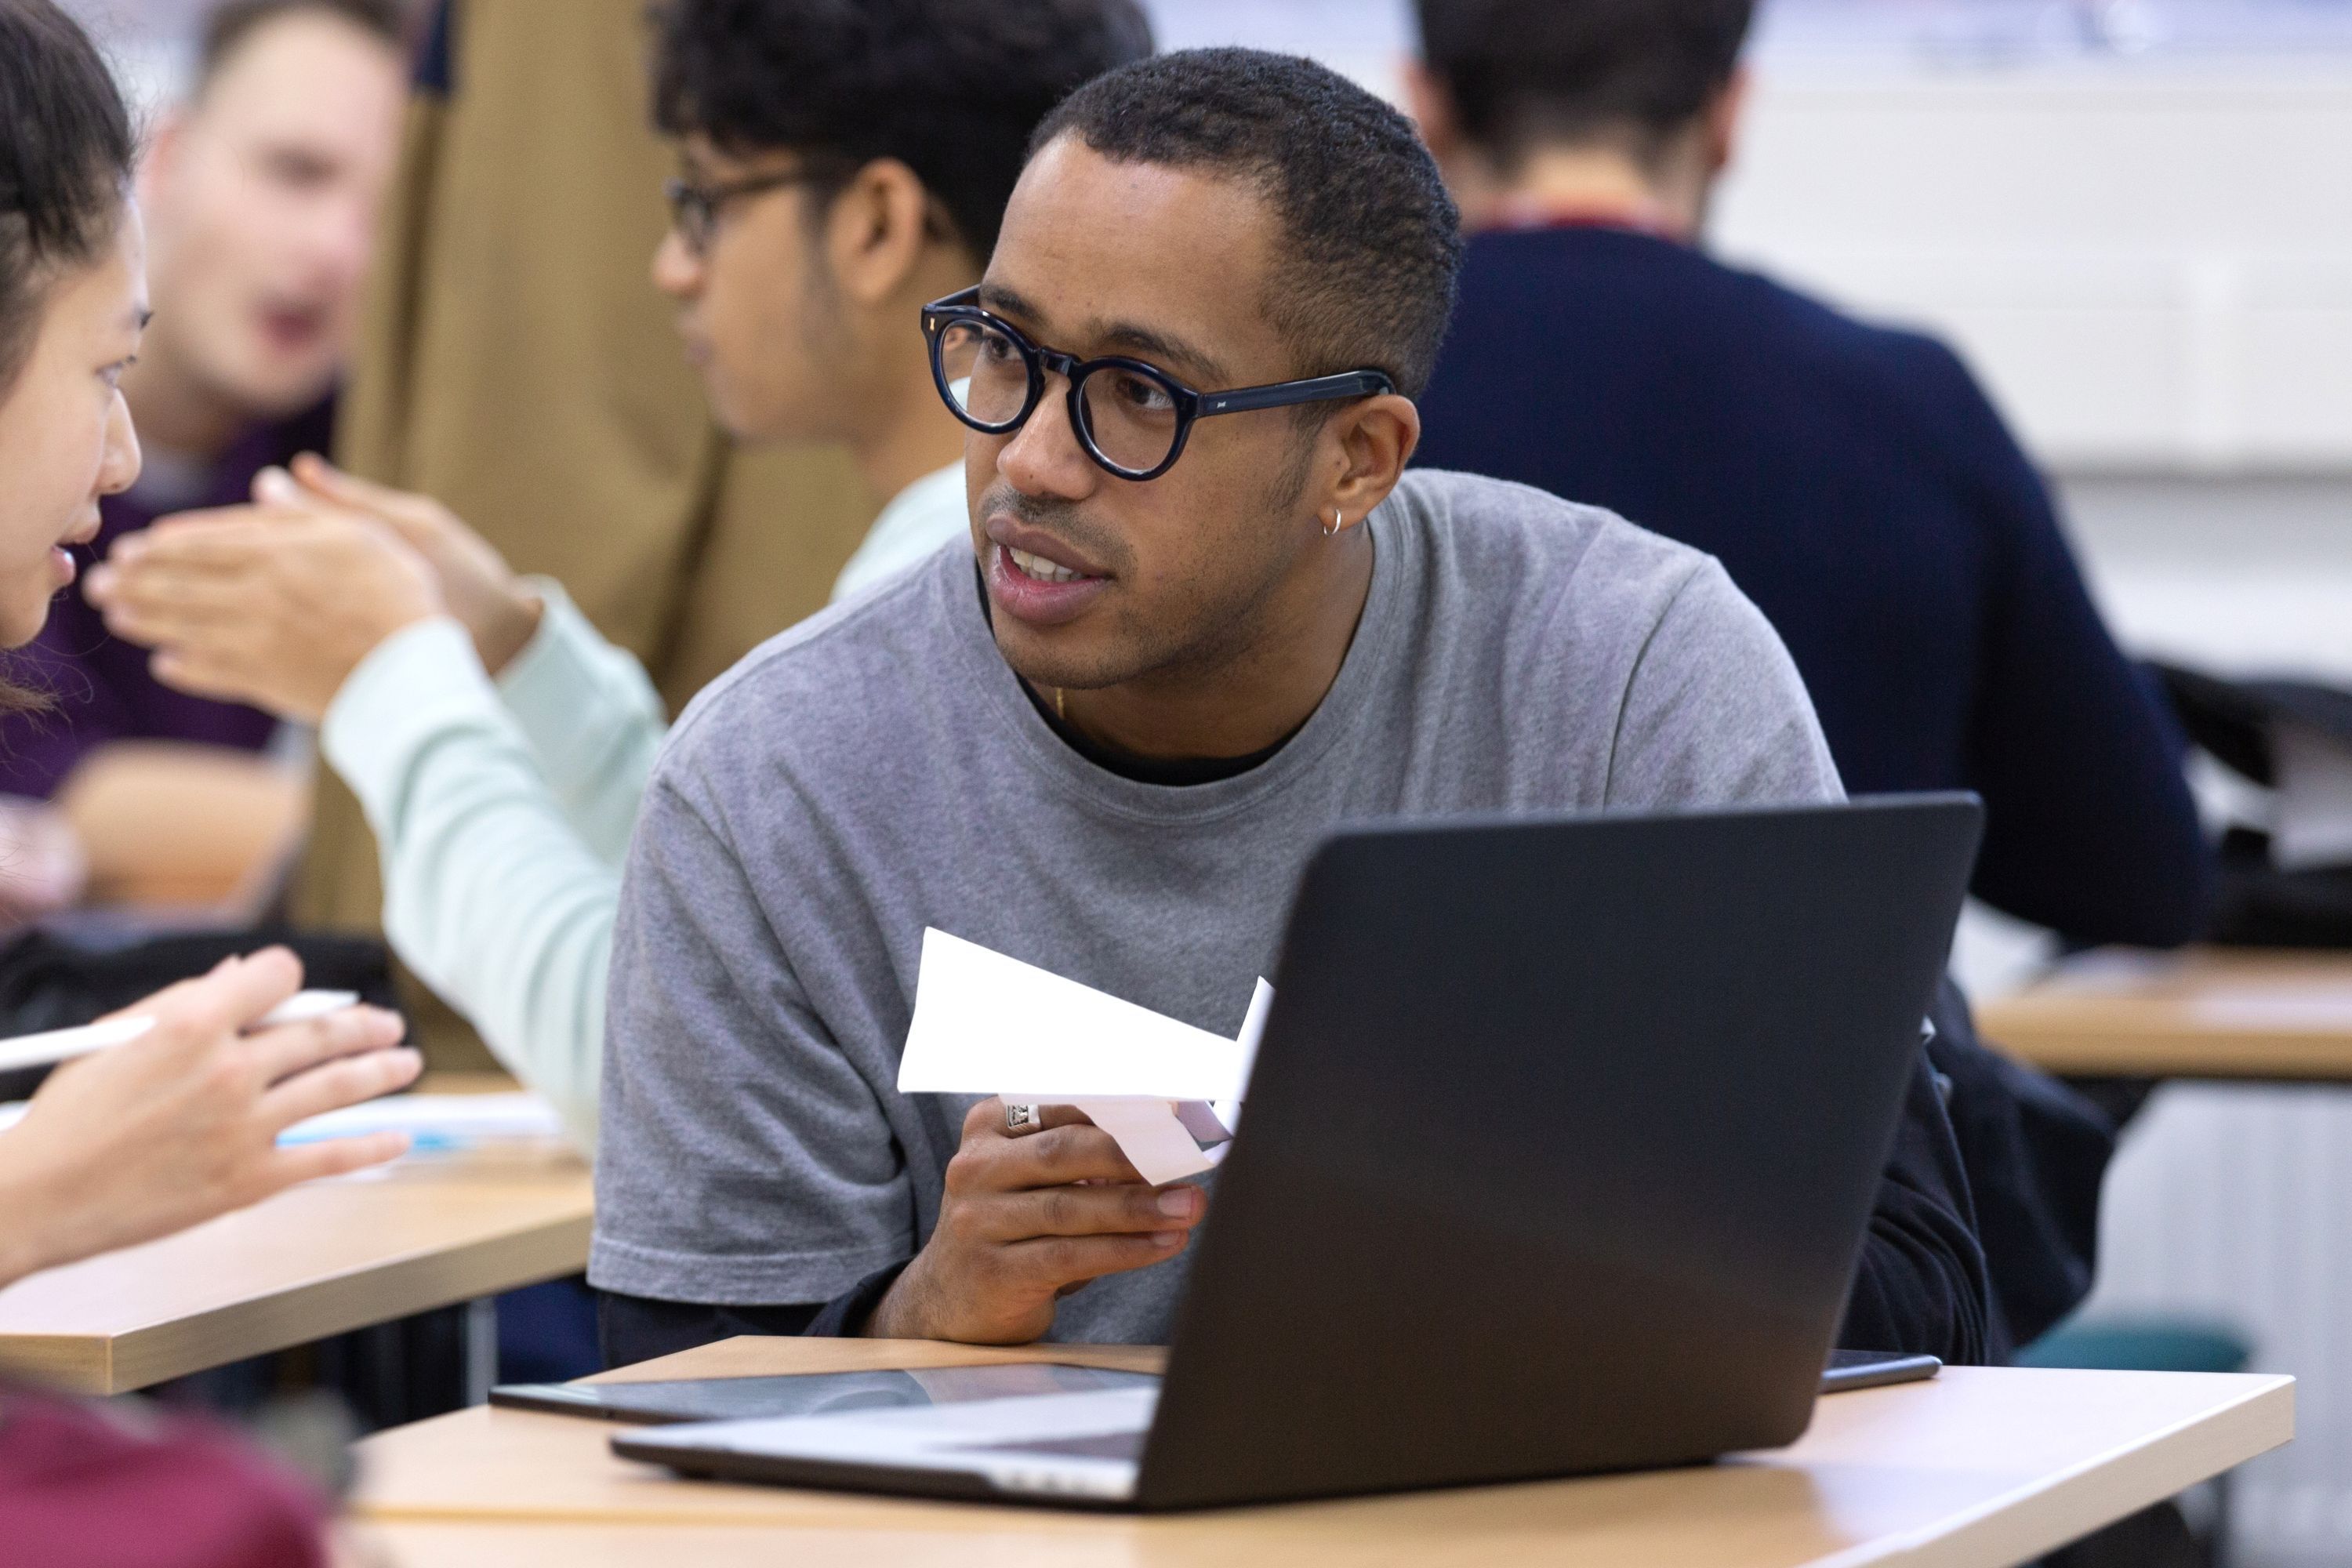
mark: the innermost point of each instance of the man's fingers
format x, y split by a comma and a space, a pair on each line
1057, 1262
335, 1157
987, 1117
287, 1049
351, 1080
232, 538
218, 680
324, 479
1119, 1209
1057, 1157
171, 589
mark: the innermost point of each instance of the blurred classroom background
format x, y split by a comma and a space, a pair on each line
2135, 219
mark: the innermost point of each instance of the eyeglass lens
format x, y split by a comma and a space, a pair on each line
1130, 417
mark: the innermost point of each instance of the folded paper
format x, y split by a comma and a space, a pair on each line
989, 1025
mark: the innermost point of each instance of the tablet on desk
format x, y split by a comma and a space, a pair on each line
808, 1394
818, 1392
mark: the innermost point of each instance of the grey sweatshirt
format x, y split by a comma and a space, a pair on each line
879, 768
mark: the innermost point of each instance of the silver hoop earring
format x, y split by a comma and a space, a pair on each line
1339, 521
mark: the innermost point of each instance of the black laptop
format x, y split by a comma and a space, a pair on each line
1562, 1141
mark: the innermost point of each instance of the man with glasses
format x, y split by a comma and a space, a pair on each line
1206, 617
842, 166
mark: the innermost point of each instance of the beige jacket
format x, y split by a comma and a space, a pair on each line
517, 363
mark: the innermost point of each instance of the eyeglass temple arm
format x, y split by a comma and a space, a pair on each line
1323, 388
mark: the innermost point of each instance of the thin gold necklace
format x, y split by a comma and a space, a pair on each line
1061, 705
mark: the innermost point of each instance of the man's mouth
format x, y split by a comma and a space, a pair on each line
1036, 578
292, 328
1042, 570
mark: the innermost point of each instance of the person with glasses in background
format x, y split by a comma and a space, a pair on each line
499, 745
261, 189
1203, 616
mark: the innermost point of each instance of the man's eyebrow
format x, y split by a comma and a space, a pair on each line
1005, 301
1161, 346
1126, 335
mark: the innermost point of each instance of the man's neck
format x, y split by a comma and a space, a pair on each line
1251, 696
912, 435
1591, 184
175, 409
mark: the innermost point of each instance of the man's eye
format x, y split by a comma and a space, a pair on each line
1144, 395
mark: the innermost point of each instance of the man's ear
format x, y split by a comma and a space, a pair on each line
1376, 440
1724, 116
1429, 101
875, 230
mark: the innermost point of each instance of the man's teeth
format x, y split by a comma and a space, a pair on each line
1037, 567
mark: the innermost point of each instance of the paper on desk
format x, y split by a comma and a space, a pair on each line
437, 1120
986, 1024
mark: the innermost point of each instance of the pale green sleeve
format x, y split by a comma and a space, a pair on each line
592, 717
493, 893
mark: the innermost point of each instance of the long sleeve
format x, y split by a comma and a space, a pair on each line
592, 719
1716, 714
1921, 1285
492, 893
2090, 827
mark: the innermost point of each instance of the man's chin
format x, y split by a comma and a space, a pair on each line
273, 393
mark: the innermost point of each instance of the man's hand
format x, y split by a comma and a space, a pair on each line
1017, 1230
259, 605
499, 609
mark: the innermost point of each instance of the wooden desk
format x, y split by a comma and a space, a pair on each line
1983, 1467
320, 1260
2210, 1013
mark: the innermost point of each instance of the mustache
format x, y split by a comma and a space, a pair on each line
1064, 519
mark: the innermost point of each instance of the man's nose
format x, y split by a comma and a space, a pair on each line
1043, 457
677, 270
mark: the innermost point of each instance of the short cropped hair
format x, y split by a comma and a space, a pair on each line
1372, 242
228, 26
950, 88
66, 149
1525, 73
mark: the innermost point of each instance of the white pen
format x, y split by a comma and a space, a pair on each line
55, 1046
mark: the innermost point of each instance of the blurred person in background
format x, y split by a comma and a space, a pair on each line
261, 191
145, 1138
501, 745
1854, 479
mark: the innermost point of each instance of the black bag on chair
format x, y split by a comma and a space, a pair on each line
51, 981
2262, 903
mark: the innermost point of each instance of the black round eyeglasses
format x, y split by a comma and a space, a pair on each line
1131, 419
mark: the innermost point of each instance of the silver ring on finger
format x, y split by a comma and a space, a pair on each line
1022, 1117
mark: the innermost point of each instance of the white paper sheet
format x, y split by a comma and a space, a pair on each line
437, 1121
987, 1024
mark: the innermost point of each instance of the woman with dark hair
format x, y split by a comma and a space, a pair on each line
181, 1124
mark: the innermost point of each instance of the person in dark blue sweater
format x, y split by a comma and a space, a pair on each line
1854, 479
